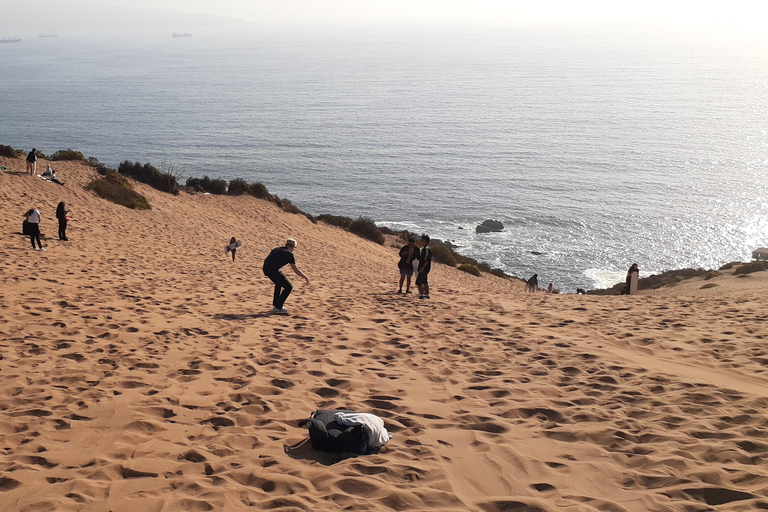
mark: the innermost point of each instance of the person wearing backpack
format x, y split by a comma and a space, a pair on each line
32, 162
277, 259
408, 254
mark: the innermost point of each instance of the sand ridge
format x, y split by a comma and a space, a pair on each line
141, 371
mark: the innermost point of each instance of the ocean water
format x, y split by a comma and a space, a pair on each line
596, 147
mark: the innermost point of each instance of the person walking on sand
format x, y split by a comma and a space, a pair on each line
532, 283
425, 265
634, 269
234, 243
549, 288
32, 162
33, 220
61, 215
277, 259
408, 254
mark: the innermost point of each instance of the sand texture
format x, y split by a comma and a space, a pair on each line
140, 371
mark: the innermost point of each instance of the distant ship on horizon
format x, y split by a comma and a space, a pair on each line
48, 35
181, 34
10, 40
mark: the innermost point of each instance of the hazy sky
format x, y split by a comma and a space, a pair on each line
746, 13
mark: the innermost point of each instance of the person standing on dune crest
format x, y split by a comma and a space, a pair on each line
32, 162
408, 254
277, 259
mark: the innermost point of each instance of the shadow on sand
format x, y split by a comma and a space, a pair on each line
235, 316
303, 451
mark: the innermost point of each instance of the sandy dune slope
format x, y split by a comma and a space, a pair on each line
140, 371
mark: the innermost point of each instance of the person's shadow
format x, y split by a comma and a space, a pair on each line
303, 451
237, 316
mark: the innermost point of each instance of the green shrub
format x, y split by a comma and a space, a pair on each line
366, 228
9, 152
712, 273
148, 174
114, 187
66, 154
484, 267
335, 220
206, 184
755, 266
470, 269
499, 273
708, 285
98, 166
443, 254
259, 191
238, 187
387, 231
729, 266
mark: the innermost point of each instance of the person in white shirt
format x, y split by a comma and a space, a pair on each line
33, 227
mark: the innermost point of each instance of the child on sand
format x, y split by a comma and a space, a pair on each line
425, 265
233, 245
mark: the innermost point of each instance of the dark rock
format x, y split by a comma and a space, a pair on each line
489, 226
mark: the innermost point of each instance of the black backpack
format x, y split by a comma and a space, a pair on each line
328, 436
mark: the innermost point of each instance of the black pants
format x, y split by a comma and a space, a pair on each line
283, 289
34, 234
62, 229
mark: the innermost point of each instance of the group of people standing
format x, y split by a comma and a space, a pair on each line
412, 259
415, 260
31, 225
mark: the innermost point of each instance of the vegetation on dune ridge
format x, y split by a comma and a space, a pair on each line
166, 180
162, 181
673, 277
116, 188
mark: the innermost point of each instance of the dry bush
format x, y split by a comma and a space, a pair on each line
470, 269
116, 188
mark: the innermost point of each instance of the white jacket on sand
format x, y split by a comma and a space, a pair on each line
373, 425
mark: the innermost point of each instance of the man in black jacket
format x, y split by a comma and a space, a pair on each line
277, 259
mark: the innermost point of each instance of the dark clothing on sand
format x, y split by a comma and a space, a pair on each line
34, 234
31, 157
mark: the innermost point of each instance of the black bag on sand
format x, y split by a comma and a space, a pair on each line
328, 436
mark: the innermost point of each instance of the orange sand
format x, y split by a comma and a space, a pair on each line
139, 371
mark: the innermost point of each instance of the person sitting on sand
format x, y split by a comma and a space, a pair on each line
61, 215
33, 227
232, 247
532, 284
32, 162
277, 259
425, 265
408, 254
